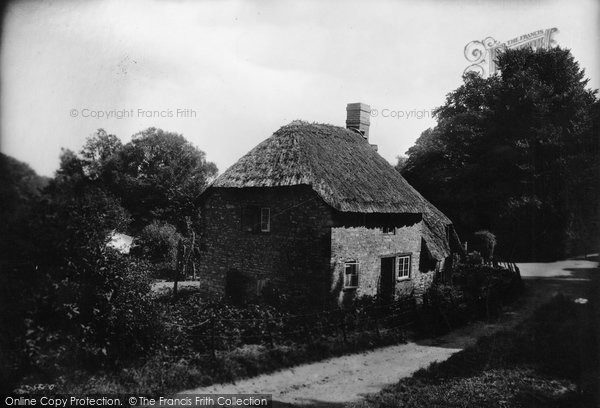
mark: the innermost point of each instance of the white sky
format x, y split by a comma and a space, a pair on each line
249, 67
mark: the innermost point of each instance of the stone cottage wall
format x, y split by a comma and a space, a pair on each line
368, 245
293, 257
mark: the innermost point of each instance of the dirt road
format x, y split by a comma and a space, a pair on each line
340, 380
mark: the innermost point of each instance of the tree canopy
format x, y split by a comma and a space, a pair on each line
517, 154
158, 175
66, 295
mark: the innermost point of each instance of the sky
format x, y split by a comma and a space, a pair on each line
227, 74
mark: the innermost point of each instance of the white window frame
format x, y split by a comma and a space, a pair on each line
266, 210
400, 275
349, 285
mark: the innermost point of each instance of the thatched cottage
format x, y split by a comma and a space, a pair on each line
314, 211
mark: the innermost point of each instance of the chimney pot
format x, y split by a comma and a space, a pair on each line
358, 118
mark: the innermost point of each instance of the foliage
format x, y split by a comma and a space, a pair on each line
476, 291
159, 175
158, 243
443, 308
549, 360
484, 242
68, 301
20, 188
92, 303
97, 151
517, 153
400, 163
75, 300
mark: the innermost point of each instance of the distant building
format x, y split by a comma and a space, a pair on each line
314, 212
120, 242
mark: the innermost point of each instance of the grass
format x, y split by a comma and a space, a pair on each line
549, 360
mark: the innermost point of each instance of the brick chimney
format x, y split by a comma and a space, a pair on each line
358, 118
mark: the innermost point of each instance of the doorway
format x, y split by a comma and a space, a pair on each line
386, 279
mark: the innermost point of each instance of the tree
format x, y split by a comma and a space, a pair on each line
400, 162
97, 151
159, 175
516, 154
90, 304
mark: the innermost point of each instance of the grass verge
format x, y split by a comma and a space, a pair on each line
549, 360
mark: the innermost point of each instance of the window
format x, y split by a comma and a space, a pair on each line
265, 219
389, 230
260, 286
403, 267
351, 275
255, 219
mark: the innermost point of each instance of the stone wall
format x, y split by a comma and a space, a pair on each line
293, 256
368, 245
304, 253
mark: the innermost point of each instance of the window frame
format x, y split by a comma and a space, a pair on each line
352, 285
268, 224
388, 230
397, 267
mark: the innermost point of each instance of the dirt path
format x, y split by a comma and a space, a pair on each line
337, 381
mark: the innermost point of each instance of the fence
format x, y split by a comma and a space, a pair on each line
217, 334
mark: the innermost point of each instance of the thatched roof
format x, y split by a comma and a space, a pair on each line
434, 236
337, 163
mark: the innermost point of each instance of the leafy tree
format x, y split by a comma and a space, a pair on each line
74, 299
517, 154
400, 162
97, 151
159, 175
20, 188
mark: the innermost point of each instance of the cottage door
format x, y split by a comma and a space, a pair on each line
386, 279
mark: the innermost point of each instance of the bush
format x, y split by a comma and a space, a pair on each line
100, 321
476, 291
481, 284
158, 243
132, 328
443, 308
484, 242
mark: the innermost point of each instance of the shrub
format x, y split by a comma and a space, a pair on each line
97, 321
444, 307
484, 242
476, 291
158, 243
481, 284
132, 325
